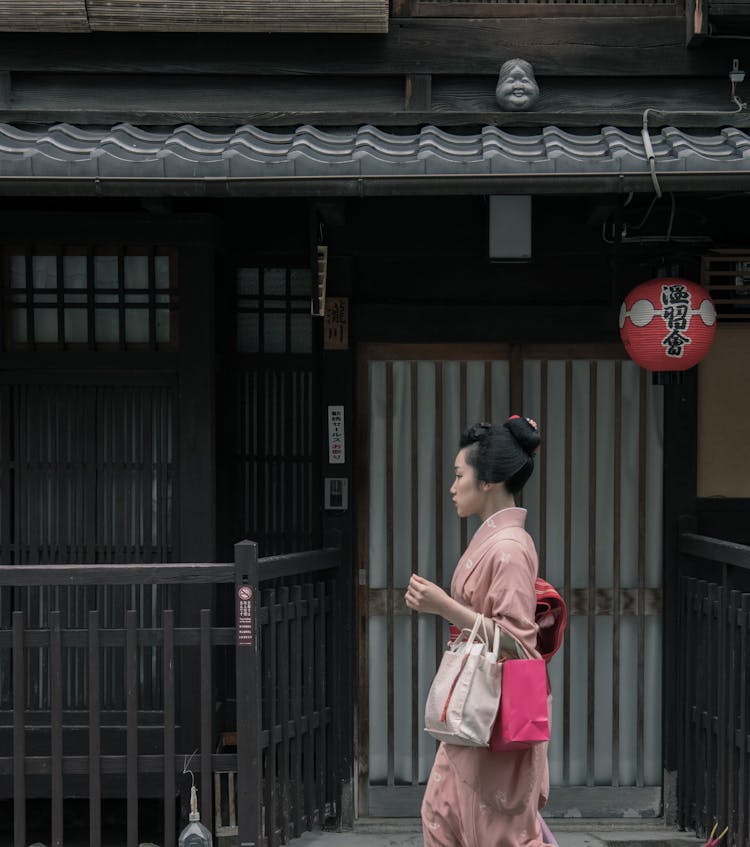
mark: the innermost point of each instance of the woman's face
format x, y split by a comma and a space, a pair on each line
468, 497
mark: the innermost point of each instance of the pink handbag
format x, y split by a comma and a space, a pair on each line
522, 717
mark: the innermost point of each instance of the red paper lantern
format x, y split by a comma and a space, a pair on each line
667, 324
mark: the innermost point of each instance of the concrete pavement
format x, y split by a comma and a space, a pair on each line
407, 833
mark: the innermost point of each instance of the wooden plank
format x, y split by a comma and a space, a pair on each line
95, 749
579, 117
141, 574
591, 634
389, 543
488, 11
604, 602
247, 659
640, 47
19, 732
340, 16
416, 727
715, 549
363, 541
269, 647
322, 732
43, 16
131, 698
56, 725
418, 92
170, 787
296, 642
207, 719
308, 703
641, 648
288, 660
435, 352
616, 573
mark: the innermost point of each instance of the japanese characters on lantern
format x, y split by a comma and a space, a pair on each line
667, 324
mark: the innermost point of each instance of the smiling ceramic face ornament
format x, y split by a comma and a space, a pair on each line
516, 87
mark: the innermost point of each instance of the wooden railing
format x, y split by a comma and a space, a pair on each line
713, 781
285, 768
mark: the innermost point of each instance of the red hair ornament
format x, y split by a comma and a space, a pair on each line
667, 324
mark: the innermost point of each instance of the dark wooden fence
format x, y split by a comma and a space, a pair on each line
714, 650
285, 768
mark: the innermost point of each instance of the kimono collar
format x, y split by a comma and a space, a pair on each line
512, 516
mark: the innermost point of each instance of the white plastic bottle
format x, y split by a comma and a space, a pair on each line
195, 834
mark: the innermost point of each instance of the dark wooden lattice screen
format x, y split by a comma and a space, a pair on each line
276, 468
87, 475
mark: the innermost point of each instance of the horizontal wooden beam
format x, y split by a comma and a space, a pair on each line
43, 15
627, 602
329, 16
425, 185
576, 47
354, 16
715, 550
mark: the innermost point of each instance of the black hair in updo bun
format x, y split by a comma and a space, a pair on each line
502, 453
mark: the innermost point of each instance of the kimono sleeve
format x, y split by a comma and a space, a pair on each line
511, 594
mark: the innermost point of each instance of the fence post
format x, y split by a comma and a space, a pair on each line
247, 602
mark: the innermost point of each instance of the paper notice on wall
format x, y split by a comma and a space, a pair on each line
336, 453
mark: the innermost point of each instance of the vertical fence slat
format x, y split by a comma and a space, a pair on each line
320, 698
616, 569
247, 659
389, 482
414, 528
56, 726
270, 657
591, 676
285, 662
19, 732
543, 414
439, 498
308, 703
131, 699
743, 789
463, 424
641, 605
94, 704
567, 563
207, 713
296, 657
170, 787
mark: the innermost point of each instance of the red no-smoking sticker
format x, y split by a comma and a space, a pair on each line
245, 621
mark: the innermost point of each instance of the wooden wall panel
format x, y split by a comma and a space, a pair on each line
43, 15
240, 15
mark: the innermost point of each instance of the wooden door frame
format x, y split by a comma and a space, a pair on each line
516, 355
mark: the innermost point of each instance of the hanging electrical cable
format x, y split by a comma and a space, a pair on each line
735, 76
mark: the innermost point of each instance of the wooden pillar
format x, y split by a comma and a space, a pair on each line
337, 389
679, 502
196, 477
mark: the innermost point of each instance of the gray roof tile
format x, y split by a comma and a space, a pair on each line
188, 151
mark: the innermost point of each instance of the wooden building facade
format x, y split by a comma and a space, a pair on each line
175, 186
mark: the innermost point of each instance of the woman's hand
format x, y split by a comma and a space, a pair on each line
424, 596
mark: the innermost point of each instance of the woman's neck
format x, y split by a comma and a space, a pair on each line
496, 501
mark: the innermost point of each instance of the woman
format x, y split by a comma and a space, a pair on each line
475, 798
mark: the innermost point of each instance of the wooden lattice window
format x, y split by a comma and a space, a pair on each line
87, 475
725, 274
88, 299
273, 310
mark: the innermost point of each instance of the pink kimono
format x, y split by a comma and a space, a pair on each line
475, 798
